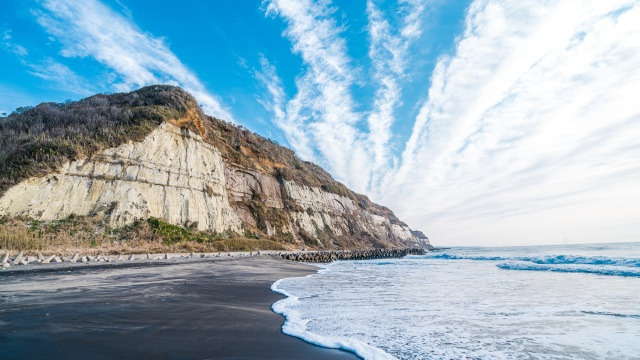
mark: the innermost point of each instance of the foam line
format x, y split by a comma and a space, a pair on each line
296, 326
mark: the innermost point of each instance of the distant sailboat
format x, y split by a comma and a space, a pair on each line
565, 241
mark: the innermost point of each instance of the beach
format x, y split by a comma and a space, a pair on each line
186, 310
523, 302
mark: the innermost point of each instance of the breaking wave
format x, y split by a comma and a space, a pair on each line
447, 256
600, 265
457, 304
632, 316
549, 259
598, 270
584, 260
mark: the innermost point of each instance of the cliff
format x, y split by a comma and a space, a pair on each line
153, 154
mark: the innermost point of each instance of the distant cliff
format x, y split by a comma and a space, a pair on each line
152, 153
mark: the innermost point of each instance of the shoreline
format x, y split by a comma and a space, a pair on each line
199, 308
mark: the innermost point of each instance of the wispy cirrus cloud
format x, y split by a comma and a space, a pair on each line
275, 102
89, 28
57, 74
10, 46
322, 111
62, 76
389, 53
322, 116
530, 124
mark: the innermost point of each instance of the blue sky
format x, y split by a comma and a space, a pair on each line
220, 42
478, 122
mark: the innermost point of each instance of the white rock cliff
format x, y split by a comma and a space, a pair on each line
173, 174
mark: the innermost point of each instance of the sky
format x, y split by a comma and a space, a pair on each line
479, 122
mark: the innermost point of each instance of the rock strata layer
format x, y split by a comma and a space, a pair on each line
172, 174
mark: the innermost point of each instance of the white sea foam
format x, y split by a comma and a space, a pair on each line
296, 325
426, 307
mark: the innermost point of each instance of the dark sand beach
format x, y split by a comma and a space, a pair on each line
205, 310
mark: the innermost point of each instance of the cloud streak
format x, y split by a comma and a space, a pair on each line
529, 122
91, 29
275, 103
320, 121
10, 46
60, 75
322, 111
389, 52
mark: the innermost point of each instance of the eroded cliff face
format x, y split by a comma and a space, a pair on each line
332, 217
172, 174
188, 169
176, 176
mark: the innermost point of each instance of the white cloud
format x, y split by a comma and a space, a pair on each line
275, 103
57, 74
322, 116
389, 53
323, 107
530, 130
88, 28
10, 46
61, 76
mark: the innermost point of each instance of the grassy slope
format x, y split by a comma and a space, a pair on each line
37, 141
86, 234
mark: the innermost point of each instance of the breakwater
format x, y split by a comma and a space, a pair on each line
329, 256
30, 262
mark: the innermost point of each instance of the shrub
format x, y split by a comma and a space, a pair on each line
36, 141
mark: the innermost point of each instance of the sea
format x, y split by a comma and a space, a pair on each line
538, 302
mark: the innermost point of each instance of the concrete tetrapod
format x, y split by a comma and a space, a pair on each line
18, 259
48, 260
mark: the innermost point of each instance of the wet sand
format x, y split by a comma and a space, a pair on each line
205, 310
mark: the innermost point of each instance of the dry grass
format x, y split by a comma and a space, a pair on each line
89, 236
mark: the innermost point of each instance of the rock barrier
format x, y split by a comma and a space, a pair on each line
329, 256
305, 256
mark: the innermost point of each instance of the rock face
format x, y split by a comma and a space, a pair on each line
172, 174
200, 172
328, 213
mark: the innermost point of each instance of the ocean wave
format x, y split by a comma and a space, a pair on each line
598, 270
447, 256
583, 260
296, 326
549, 259
374, 262
633, 316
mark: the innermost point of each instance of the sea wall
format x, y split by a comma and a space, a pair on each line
329, 256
